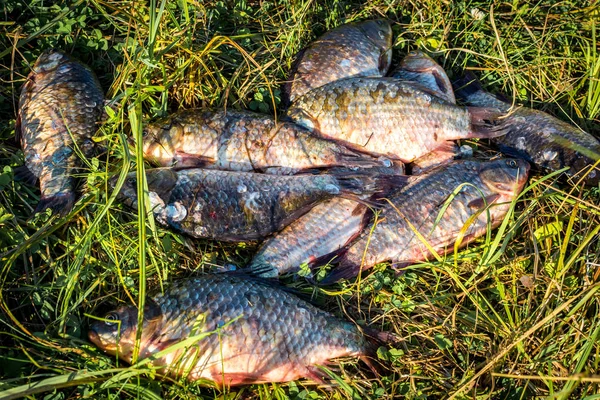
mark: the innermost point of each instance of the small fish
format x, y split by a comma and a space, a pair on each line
419, 67
248, 331
322, 231
538, 137
60, 106
245, 141
350, 50
486, 190
240, 206
395, 118
325, 229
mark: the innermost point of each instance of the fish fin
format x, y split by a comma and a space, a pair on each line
248, 274
367, 203
440, 82
345, 269
364, 183
400, 266
23, 174
315, 374
384, 62
482, 123
482, 202
466, 86
60, 204
186, 160
359, 209
259, 270
239, 378
351, 157
514, 152
442, 155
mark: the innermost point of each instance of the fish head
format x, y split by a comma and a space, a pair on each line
505, 177
116, 333
50, 60
379, 32
160, 181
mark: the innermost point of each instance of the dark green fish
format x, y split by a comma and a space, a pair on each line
264, 333
240, 206
60, 107
538, 137
350, 50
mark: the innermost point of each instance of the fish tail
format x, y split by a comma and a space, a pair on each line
486, 123
364, 182
23, 174
60, 204
466, 86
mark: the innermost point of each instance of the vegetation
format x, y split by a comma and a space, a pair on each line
514, 316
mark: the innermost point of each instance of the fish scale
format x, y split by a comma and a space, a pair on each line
256, 342
60, 106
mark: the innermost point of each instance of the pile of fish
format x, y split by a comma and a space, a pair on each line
361, 169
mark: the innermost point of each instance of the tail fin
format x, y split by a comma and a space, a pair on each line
467, 86
23, 174
354, 183
486, 123
60, 204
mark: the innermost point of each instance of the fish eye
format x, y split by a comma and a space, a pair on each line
111, 318
130, 181
511, 163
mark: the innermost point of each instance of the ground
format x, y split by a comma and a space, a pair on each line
513, 316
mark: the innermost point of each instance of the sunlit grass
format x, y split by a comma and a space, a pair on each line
512, 316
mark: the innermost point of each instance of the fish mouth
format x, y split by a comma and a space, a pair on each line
94, 337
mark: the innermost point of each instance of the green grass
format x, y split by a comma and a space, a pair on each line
513, 316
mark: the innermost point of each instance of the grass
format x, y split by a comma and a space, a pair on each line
513, 316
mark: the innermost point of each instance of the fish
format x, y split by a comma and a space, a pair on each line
245, 141
395, 118
538, 137
324, 230
417, 66
485, 191
60, 107
350, 50
248, 330
240, 206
